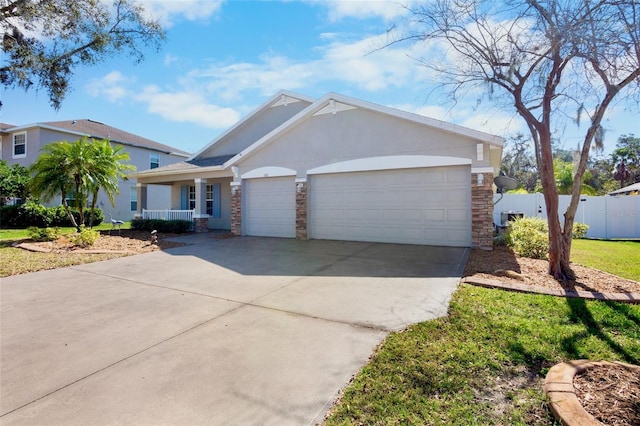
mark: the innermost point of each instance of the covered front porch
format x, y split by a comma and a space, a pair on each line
206, 201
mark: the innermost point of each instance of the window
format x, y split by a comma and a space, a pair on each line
0, 147
154, 161
213, 200
71, 198
20, 145
133, 197
192, 197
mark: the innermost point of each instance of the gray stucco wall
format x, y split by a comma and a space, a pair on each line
356, 134
252, 130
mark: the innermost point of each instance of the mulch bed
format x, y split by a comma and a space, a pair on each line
610, 393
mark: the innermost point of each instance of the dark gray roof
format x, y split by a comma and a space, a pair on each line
99, 130
191, 165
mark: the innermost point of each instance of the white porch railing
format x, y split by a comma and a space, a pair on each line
168, 214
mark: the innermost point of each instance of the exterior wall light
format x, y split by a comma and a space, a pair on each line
480, 179
299, 187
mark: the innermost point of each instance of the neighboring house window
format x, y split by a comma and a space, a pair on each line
20, 145
71, 198
0, 147
133, 197
154, 161
213, 200
192, 197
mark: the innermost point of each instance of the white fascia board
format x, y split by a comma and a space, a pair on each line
45, 126
420, 119
151, 173
266, 172
267, 104
392, 162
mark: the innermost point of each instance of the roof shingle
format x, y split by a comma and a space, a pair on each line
96, 129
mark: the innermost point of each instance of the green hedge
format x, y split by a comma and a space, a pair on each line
167, 226
35, 214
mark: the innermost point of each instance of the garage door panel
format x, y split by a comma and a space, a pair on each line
270, 207
458, 176
460, 216
416, 206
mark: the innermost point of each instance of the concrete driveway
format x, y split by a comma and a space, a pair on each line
240, 331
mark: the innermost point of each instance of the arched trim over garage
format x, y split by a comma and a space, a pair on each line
389, 163
267, 172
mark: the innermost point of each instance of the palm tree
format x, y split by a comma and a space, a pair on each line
52, 175
106, 170
82, 167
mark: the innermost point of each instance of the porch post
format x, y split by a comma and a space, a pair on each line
236, 208
482, 209
200, 216
141, 194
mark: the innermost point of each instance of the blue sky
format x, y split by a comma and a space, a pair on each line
222, 59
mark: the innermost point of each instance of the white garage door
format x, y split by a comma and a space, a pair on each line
429, 206
270, 207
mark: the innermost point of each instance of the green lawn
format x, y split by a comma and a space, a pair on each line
14, 261
21, 234
485, 363
621, 258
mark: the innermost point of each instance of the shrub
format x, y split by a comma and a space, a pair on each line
85, 238
528, 237
8, 215
579, 230
32, 213
44, 234
167, 226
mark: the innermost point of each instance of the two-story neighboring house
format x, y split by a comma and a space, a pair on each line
22, 144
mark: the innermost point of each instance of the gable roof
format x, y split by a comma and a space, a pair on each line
98, 130
334, 103
330, 103
283, 97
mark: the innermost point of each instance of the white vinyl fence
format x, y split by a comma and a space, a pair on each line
608, 217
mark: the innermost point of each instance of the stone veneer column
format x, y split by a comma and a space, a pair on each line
236, 208
482, 211
301, 209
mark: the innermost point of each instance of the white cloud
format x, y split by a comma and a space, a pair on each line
113, 86
170, 59
493, 121
356, 64
190, 107
363, 9
167, 11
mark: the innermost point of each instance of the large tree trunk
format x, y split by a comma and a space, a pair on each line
559, 247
